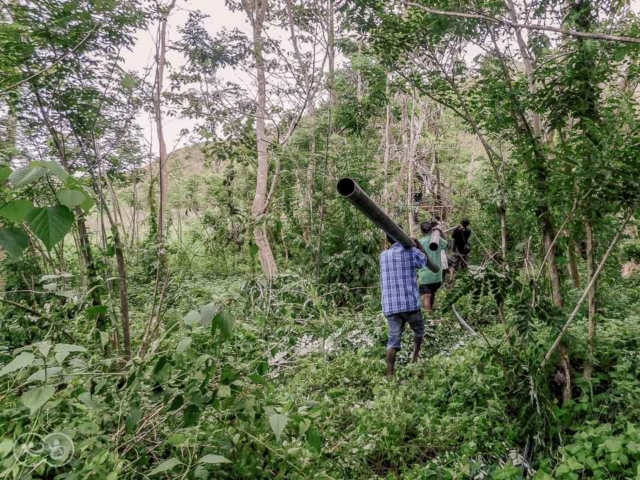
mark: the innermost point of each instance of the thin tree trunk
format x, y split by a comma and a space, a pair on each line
387, 145
161, 61
256, 11
591, 267
331, 53
573, 262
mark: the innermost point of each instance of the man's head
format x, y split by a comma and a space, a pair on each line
465, 222
426, 227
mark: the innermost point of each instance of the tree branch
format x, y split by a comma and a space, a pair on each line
56, 62
526, 26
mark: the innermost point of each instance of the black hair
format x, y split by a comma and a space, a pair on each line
390, 240
426, 227
465, 222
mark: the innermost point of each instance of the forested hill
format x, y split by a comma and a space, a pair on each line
219, 311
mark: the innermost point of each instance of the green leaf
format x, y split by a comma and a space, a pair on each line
65, 347
191, 415
176, 403
314, 439
613, 445
166, 466
88, 203
25, 359
253, 249
37, 397
278, 423
214, 459
207, 313
92, 312
50, 224
4, 173
61, 357
45, 373
192, 319
176, 439
224, 391
54, 168
6, 447
224, 322
71, 198
183, 344
14, 241
16, 211
134, 416
25, 175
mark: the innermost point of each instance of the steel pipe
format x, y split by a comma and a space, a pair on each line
349, 189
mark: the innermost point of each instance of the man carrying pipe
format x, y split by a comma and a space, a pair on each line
428, 281
398, 267
400, 297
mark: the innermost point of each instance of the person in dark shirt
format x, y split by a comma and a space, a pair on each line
461, 247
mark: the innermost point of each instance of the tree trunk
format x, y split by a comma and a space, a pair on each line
591, 268
573, 262
331, 53
387, 145
256, 12
161, 61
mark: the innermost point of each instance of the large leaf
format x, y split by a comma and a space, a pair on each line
44, 374
50, 224
192, 319
207, 313
16, 211
191, 415
25, 359
71, 198
65, 347
37, 397
214, 459
183, 344
14, 241
6, 447
166, 466
224, 322
54, 168
25, 175
4, 173
278, 423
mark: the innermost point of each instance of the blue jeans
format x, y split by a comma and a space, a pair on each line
396, 323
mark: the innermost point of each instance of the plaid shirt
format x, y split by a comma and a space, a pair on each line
398, 267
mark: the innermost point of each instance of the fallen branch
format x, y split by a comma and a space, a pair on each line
526, 26
574, 314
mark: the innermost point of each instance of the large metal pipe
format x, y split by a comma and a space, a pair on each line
349, 189
434, 244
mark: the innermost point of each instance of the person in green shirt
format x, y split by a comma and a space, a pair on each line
429, 282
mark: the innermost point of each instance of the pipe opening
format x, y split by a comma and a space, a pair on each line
346, 186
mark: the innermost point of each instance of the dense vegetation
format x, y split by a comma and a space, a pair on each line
214, 311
